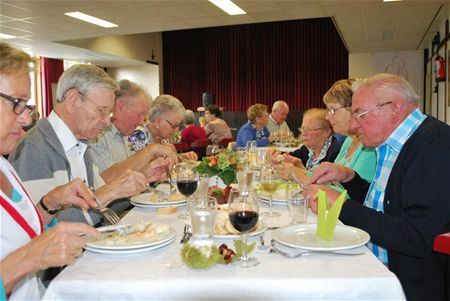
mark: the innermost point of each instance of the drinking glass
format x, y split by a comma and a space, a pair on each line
202, 185
243, 213
252, 152
297, 204
269, 182
202, 210
242, 154
187, 184
244, 176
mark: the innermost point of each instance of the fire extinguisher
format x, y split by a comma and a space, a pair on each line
439, 68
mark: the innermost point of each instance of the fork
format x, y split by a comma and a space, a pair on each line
110, 217
186, 234
173, 190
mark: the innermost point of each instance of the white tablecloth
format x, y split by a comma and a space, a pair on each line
160, 275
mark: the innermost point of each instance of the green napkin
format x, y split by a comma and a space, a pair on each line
327, 217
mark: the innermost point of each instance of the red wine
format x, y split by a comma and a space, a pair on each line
243, 220
187, 187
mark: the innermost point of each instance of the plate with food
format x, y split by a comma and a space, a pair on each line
225, 230
278, 197
158, 199
134, 236
130, 251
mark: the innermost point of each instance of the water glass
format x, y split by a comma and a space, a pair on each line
202, 210
297, 204
245, 180
202, 185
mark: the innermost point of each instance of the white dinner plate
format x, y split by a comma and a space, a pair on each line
135, 243
129, 251
278, 198
259, 230
304, 236
157, 205
144, 200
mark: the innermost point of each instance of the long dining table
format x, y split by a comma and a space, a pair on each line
160, 274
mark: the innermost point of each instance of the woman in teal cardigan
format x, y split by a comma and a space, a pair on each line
353, 154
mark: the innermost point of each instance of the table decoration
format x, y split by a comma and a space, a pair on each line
223, 165
328, 217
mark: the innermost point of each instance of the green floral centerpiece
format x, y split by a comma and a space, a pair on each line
223, 165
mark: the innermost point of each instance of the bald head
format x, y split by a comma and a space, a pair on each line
280, 110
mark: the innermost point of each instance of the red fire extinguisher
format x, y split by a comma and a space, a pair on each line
439, 68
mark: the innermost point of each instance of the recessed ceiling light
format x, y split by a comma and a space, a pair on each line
91, 19
228, 6
6, 36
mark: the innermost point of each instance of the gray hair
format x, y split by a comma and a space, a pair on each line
127, 87
390, 85
279, 104
83, 77
164, 104
189, 117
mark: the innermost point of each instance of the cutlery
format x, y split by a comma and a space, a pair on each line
186, 234
173, 190
110, 217
274, 249
262, 246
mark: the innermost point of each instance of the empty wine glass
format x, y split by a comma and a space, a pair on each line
269, 182
243, 213
187, 184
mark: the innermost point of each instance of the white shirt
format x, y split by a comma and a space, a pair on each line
73, 148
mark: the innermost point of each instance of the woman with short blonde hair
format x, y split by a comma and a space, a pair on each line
256, 127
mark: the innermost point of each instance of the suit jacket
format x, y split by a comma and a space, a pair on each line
416, 210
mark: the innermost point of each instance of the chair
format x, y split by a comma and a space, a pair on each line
199, 147
224, 142
182, 147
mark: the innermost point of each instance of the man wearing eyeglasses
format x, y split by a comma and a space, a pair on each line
408, 203
55, 152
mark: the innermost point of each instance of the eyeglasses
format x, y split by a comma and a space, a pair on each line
19, 104
173, 126
359, 116
333, 111
103, 111
303, 130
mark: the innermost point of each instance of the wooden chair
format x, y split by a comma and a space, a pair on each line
182, 147
224, 142
199, 147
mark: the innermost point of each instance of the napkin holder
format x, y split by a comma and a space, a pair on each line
327, 217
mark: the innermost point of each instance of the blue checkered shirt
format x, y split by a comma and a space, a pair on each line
387, 154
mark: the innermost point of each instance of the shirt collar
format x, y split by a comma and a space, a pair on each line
402, 133
63, 132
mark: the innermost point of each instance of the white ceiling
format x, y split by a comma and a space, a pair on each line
39, 24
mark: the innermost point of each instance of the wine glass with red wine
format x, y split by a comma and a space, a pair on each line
243, 212
187, 181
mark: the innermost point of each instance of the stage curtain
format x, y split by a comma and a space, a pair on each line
51, 70
255, 63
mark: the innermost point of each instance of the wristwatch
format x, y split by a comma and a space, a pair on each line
46, 209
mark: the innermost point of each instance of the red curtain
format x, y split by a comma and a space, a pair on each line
51, 70
257, 63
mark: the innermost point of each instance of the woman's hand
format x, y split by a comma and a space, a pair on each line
290, 159
57, 247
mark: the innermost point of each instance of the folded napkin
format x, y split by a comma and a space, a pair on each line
328, 217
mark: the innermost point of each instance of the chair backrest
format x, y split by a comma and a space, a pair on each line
442, 243
199, 147
224, 142
182, 147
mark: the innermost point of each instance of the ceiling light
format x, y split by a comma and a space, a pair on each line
91, 19
6, 36
391, 0
228, 6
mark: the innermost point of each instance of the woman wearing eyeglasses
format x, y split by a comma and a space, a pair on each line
164, 120
319, 145
25, 248
338, 100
